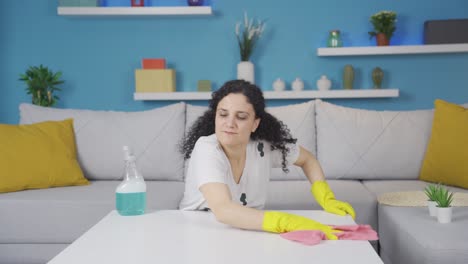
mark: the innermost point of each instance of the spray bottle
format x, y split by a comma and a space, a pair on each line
130, 195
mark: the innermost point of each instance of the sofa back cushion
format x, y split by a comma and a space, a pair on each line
363, 144
100, 135
299, 118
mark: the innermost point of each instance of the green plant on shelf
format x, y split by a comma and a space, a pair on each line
383, 22
248, 33
431, 191
41, 83
444, 197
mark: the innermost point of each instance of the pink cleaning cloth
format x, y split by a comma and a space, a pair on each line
351, 232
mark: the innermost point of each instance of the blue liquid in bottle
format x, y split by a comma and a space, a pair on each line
130, 195
131, 203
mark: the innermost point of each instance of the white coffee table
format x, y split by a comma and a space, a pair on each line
173, 236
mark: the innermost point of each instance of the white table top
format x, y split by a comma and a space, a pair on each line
172, 236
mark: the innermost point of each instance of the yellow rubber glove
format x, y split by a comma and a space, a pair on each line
279, 222
325, 197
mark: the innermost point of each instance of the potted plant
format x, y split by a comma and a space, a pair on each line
444, 200
248, 33
384, 26
41, 83
431, 193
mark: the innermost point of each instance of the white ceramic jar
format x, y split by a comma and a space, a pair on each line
279, 85
297, 85
323, 83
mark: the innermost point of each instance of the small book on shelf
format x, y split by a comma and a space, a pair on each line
149, 63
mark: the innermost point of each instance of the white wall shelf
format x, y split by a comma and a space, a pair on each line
134, 11
393, 50
307, 94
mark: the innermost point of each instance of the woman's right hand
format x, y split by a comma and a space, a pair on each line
280, 222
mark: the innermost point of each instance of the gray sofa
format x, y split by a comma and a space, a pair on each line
363, 153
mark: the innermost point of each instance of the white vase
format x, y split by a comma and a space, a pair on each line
279, 85
323, 83
297, 85
432, 206
246, 71
444, 215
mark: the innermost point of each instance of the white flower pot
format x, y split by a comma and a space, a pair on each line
444, 215
246, 71
432, 206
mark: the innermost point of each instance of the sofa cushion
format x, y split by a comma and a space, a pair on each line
39, 155
447, 151
193, 113
299, 118
61, 215
363, 144
100, 135
295, 195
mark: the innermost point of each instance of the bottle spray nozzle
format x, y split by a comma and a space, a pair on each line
128, 153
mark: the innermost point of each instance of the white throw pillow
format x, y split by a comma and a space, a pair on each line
100, 135
299, 118
364, 144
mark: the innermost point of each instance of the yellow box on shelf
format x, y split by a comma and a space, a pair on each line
155, 80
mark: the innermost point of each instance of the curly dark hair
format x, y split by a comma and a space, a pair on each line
270, 128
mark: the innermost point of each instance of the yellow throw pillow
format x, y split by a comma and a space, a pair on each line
446, 159
39, 155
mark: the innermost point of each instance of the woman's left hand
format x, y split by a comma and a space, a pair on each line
325, 197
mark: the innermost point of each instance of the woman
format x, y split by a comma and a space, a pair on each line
232, 148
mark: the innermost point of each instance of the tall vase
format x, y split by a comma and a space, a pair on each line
348, 77
377, 77
382, 39
246, 71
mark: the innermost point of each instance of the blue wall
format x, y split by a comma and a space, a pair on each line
98, 55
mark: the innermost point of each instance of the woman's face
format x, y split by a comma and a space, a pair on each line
235, 120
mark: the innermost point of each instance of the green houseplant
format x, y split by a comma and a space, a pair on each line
41, 83
384, 26
248, 33
431, 193
444, 199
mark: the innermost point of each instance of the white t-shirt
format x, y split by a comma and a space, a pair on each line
209, 163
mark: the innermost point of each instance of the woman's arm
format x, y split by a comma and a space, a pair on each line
320, 189
218, 197
309, 165
219, 201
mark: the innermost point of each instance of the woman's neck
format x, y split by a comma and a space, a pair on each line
235, 154
237, 158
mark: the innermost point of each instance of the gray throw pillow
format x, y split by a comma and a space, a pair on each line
100, 135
